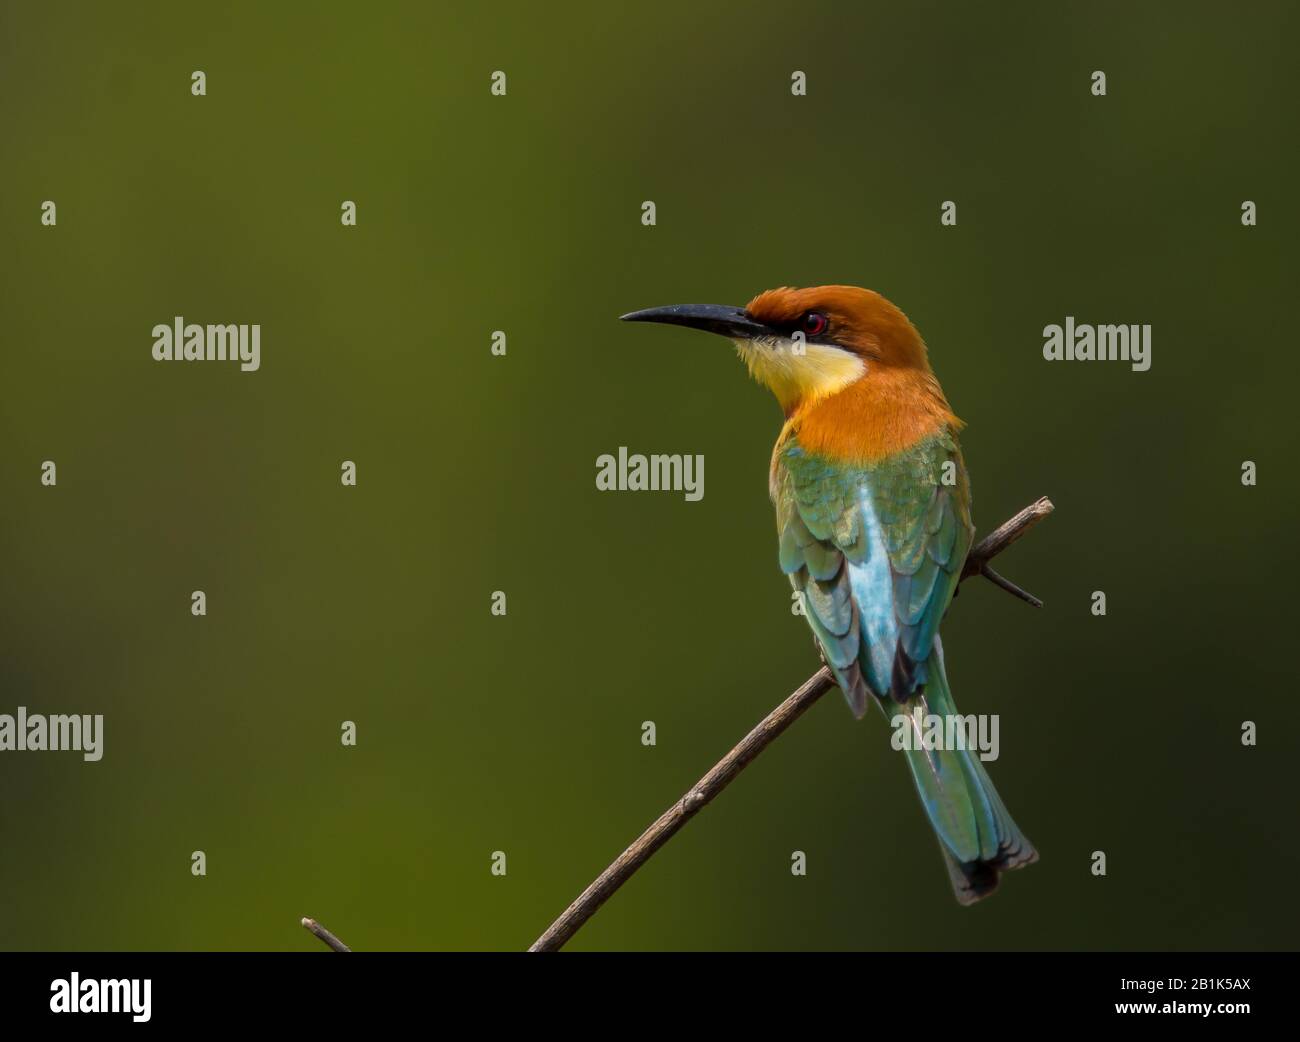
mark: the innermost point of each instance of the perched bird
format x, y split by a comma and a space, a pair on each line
873, 510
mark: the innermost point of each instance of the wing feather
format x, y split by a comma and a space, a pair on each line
876, 549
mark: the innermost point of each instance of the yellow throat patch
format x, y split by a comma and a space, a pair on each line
811, 372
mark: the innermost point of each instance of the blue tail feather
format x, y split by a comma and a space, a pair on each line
979, 838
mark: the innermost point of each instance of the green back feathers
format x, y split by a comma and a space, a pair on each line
877, 550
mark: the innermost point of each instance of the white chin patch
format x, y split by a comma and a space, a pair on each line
796, 370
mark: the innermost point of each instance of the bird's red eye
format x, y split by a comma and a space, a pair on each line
814, 323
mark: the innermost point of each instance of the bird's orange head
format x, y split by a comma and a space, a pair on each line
810, 344
850, 318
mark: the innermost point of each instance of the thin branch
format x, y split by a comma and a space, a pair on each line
682, 811
772, 725
1002, 582
1004, 535
312, 926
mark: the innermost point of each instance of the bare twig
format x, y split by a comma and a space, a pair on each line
771, 726
1006, 584
1004, 535
312, 926
682, 811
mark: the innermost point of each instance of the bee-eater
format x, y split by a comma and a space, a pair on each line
873, 509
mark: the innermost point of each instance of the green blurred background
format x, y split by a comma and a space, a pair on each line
476, 473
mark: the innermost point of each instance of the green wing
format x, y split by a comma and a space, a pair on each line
876, 549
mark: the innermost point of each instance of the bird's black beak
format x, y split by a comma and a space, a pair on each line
712, 318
